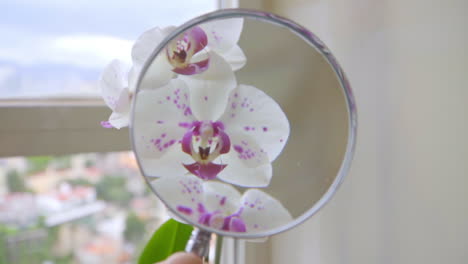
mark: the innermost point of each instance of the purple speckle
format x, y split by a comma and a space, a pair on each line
168, 98
184, 209
251, 109
236, 95
160, 122
187, 111
222, 201
106, 124
281, 140
265, 129
206, 98
246, 128
185, 124
238, 148
163, 135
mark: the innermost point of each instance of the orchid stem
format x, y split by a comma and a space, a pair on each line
219, 249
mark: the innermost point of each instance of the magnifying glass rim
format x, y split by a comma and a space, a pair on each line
315, 42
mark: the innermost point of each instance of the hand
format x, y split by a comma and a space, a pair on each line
182, 258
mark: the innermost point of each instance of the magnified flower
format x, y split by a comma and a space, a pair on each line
205, 54
116, 94
235, 141
189, 53
220, 205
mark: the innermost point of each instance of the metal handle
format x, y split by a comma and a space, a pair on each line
199, 243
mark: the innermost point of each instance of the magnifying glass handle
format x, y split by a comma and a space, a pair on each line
199, 243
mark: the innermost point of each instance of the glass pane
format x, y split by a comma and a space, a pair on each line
58, 48
86, 208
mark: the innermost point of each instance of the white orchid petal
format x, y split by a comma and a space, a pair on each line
113, 80
159, 72
209, 91
161, 117
220, 197
123, 102
223, 34
147, 42
169, 165
236, 172
119, 120
235, 57
133, 78
181, 193
262, 212
252, 113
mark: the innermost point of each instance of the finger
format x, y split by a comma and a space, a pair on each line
182, 258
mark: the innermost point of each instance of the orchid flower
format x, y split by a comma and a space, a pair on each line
116, 94
190, 53
221, 206
182, 129
214, 44
117, 83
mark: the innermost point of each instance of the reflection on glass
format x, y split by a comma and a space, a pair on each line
86, 208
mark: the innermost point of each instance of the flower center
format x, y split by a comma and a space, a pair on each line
178, 52
206, 141
218, 220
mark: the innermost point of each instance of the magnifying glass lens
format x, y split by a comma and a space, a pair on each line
243, 123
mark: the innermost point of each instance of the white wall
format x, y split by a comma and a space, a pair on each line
405, 200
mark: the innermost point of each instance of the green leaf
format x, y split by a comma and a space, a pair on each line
171, 237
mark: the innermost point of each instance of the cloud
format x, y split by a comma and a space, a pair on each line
6, 73
83, 50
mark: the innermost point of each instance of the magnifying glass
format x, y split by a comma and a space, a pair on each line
243, 123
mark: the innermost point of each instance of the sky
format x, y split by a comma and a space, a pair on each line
53, 48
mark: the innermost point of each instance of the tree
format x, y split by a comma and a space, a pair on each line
38, 163
113, 189
15, 182
134, 228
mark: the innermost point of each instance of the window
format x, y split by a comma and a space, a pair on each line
49, 105
59, 48
84, 208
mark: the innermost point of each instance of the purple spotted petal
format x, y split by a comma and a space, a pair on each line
205, 171
193, 68
253, 115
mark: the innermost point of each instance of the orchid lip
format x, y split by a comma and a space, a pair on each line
205, 141
205, 171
